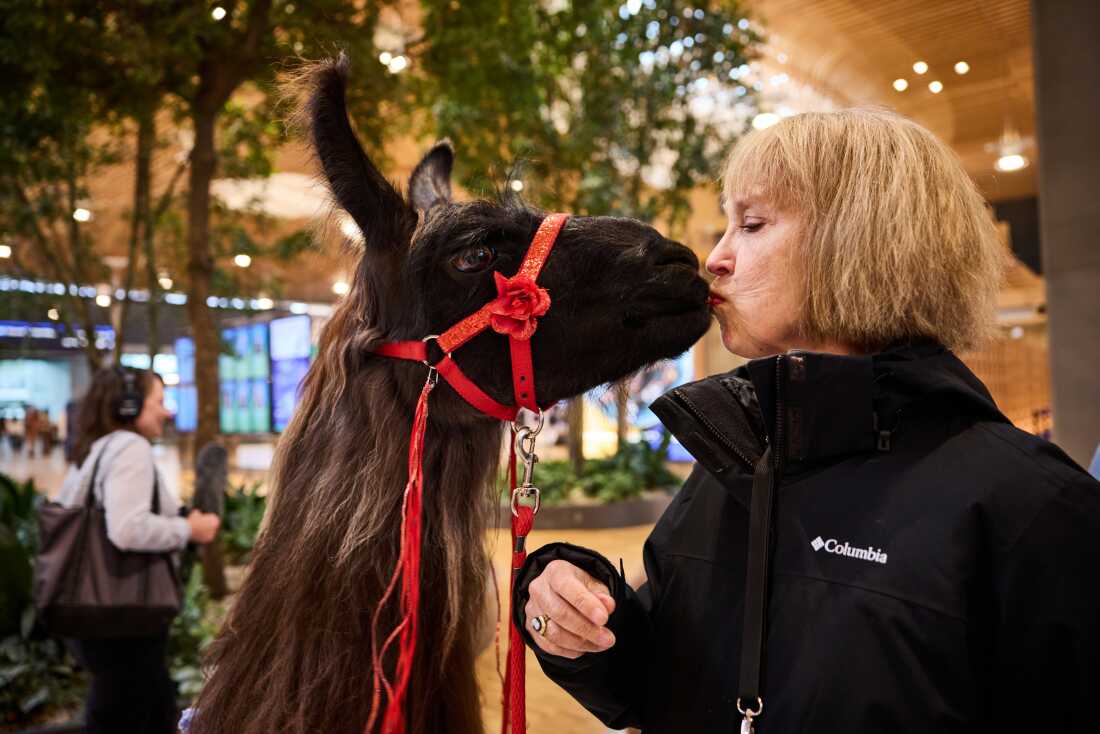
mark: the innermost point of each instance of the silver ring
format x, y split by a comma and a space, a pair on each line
541, 624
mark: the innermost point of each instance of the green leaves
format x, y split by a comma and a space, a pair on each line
18, 544
35, 671
244, 512
193, 629
593, 97
633, 469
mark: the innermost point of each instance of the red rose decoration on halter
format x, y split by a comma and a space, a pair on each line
519, 301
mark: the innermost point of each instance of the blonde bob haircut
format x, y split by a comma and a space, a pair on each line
897, 243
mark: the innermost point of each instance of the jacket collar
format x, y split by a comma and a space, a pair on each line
819, 407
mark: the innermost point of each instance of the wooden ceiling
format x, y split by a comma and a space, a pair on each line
853, 50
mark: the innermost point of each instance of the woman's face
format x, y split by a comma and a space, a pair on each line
753, 296
150, 421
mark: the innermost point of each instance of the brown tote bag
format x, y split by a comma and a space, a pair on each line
85, 587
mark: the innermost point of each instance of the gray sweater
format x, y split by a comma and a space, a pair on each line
124, 487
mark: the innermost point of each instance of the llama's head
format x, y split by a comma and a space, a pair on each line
622, 294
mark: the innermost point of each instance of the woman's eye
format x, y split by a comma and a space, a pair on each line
474, 259
751, 226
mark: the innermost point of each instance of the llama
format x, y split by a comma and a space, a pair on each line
294, 655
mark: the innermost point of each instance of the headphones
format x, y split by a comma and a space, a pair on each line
128, 405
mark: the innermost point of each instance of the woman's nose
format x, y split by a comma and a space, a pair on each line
720, 260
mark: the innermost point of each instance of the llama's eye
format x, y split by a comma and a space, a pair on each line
473, 259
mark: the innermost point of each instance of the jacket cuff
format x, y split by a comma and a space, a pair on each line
182, 530
589, 561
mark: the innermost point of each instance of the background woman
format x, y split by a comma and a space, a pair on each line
930, 567
131, 691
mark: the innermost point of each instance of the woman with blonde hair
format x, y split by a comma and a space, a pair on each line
866, 543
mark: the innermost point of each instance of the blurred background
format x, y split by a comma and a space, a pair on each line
157, 211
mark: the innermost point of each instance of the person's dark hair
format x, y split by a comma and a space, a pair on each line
96, 416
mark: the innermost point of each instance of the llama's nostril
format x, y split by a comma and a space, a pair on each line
675, 255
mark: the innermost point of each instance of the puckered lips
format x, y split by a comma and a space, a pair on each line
714, 299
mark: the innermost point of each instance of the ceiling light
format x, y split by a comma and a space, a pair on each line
1009, 150
385, 57
1016, 332
217, 13
53, 314
765, 120
5, 251
397, 64
517, 185
242, 260
935, 87
961, 67
165, 281
920, 67
103, 300
340, 288
901, 85
263, 303
1012, 162
82, 215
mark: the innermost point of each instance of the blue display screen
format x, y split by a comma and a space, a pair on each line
286, 378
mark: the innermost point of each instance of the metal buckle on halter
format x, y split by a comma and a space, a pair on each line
525, 448
427, 339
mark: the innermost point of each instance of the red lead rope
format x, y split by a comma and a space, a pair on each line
407, 571
513, 702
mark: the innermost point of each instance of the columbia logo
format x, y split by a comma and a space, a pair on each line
846, 549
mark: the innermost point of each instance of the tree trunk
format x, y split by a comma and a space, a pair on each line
148, 231
574, 416
76, 246
143, 163
200, 270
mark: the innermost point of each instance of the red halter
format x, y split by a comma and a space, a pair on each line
513, 313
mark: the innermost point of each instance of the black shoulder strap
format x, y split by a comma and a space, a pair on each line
89, 499
750, 698
749, 701
156, 492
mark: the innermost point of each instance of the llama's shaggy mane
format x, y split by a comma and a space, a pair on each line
294, 653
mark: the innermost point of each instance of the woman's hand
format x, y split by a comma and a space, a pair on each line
204, 526
578, 607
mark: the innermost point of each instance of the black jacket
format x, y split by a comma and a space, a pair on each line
934, 569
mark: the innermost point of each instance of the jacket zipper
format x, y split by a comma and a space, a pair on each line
778, 449
722, 438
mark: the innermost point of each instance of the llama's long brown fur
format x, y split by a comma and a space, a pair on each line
299, 630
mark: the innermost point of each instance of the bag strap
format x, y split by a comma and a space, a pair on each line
749, 700
155, 508
89, 498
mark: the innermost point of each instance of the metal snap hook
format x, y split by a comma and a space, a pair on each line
517, 426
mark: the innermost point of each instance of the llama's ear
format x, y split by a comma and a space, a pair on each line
430, 183
383, 216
